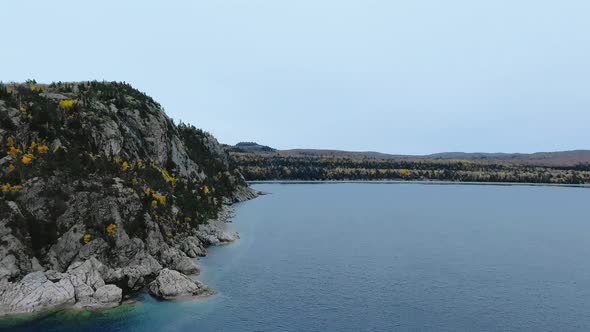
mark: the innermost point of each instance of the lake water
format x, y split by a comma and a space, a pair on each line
384, 257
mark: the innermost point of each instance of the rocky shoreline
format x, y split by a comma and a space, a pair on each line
91, 285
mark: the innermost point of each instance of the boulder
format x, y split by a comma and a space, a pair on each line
109, 294
192, 247
172, 284
34, 293
215, 232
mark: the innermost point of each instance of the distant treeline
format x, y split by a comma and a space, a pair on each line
274, 166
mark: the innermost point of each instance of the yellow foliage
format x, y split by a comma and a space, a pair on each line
111, 229
125, 166
23, 110
10, 142
117, 160
169, 178
7, 187
28, 158
206, 190
87, 238
11, 168
157, 197
67, 104
42, 149
14, 152
37, 146
140, 164
405, 172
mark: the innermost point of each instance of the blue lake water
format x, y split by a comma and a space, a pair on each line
384, 257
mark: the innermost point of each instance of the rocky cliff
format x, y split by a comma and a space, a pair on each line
102, 194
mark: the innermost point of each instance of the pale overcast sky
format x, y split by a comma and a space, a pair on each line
414, 77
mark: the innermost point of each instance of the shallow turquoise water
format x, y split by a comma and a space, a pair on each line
383, 257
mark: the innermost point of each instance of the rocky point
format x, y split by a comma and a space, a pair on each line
102, 195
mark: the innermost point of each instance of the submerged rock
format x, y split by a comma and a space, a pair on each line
172, 284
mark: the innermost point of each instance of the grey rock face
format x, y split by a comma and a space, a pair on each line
192, 247
108, 294
8, 267
172, 284
15, 260
81, 284
34, 293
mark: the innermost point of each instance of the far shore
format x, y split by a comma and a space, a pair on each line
422, 182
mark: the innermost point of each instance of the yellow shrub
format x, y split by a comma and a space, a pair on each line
157, 197
14, 152
28, 158
23, 110
37, 88
7, 187
405, 172
67, 104
169, 178
111, 229
125, 166
11, 168
42, 149
10, 142
87, 238
206, 190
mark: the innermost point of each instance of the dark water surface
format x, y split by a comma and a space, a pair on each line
384, 257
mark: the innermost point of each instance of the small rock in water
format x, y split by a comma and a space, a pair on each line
172, 284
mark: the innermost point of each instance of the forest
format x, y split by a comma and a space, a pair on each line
277, 166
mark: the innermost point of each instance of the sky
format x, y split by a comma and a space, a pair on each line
412, 77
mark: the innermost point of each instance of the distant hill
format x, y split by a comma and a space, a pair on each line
250, 147
553, 159
570, 158
258, 162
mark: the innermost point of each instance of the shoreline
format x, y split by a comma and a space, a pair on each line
218, 233
422, 182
